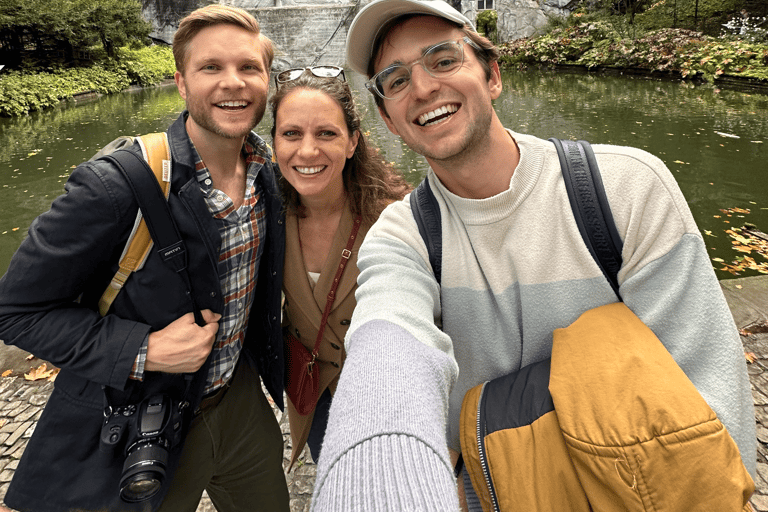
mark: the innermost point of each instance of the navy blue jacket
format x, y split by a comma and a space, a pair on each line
48, 306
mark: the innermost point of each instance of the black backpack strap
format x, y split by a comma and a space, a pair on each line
590, 206
157, 215
426, 212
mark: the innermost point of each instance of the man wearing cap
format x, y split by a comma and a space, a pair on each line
415, 346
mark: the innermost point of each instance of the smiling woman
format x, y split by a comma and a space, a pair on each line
333, 183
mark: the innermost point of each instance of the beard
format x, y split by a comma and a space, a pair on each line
202, 114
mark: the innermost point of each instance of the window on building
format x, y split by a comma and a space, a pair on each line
483, 5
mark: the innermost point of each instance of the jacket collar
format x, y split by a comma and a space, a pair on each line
296, 273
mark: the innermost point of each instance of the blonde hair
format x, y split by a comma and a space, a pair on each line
211, 15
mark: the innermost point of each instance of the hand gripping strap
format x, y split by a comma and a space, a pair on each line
155, 149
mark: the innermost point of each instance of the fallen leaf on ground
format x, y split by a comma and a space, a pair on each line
751, 357
41, 372
30, 357
7, 373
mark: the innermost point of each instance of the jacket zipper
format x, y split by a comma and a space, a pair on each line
481, 450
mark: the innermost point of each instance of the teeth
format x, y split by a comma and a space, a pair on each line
232, 104
446, 109
309, 170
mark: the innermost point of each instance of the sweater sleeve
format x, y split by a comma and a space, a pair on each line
668, 281
385, 446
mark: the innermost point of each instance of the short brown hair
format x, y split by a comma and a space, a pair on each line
211, 15
488, 54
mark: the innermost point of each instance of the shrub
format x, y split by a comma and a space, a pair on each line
680, 51
486, 24
148, 65
21, 93
749, 28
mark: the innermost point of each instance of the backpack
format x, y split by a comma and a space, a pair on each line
551, 436
157, 153
588, 202
150, 180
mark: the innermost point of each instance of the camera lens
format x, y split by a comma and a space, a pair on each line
140, 487
143, 471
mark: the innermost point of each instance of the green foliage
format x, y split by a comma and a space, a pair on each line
704, 15
486, 24
679, 51
148, 65
51, 31
21, 93
747, 28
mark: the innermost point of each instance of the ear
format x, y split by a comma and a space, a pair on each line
180, 85
353, 143
494, 83
388, 121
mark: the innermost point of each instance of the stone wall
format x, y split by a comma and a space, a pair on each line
307, 35
304, 33
309, 32
519, 18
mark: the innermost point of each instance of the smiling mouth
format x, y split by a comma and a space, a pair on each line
232, 105
438, 115
309, 170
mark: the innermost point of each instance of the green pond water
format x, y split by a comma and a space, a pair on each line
715, 142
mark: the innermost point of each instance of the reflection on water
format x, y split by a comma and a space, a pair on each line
714, 142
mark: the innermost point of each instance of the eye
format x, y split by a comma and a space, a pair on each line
290, 134
327, 133
394, 79
442, 59
444, 63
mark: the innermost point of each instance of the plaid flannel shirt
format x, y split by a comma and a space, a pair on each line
242, 230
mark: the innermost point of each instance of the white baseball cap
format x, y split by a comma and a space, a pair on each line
368, 22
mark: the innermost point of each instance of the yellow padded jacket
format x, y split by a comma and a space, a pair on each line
610, 423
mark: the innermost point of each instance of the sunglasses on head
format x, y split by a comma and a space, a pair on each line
319, 71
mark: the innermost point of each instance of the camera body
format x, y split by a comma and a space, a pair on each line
144, 434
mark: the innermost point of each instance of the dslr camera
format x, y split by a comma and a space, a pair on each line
144, 434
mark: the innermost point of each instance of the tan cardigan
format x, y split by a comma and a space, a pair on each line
304, 309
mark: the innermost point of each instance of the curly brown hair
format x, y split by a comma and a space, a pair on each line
371, 183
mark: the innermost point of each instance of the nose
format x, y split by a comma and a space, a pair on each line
232, 80
422, 83
307, 147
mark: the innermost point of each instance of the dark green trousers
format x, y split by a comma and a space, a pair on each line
234, 451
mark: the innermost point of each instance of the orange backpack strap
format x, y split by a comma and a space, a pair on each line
157, 153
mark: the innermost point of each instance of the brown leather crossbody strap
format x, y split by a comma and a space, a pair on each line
345, 255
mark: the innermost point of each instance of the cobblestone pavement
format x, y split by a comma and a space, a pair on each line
21, 403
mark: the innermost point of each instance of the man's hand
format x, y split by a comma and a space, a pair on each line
182, 346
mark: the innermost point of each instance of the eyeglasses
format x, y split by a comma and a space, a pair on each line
440, 61
319, 71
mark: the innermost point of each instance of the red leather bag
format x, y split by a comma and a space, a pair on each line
302, 375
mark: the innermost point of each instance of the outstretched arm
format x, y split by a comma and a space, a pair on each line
385, 446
